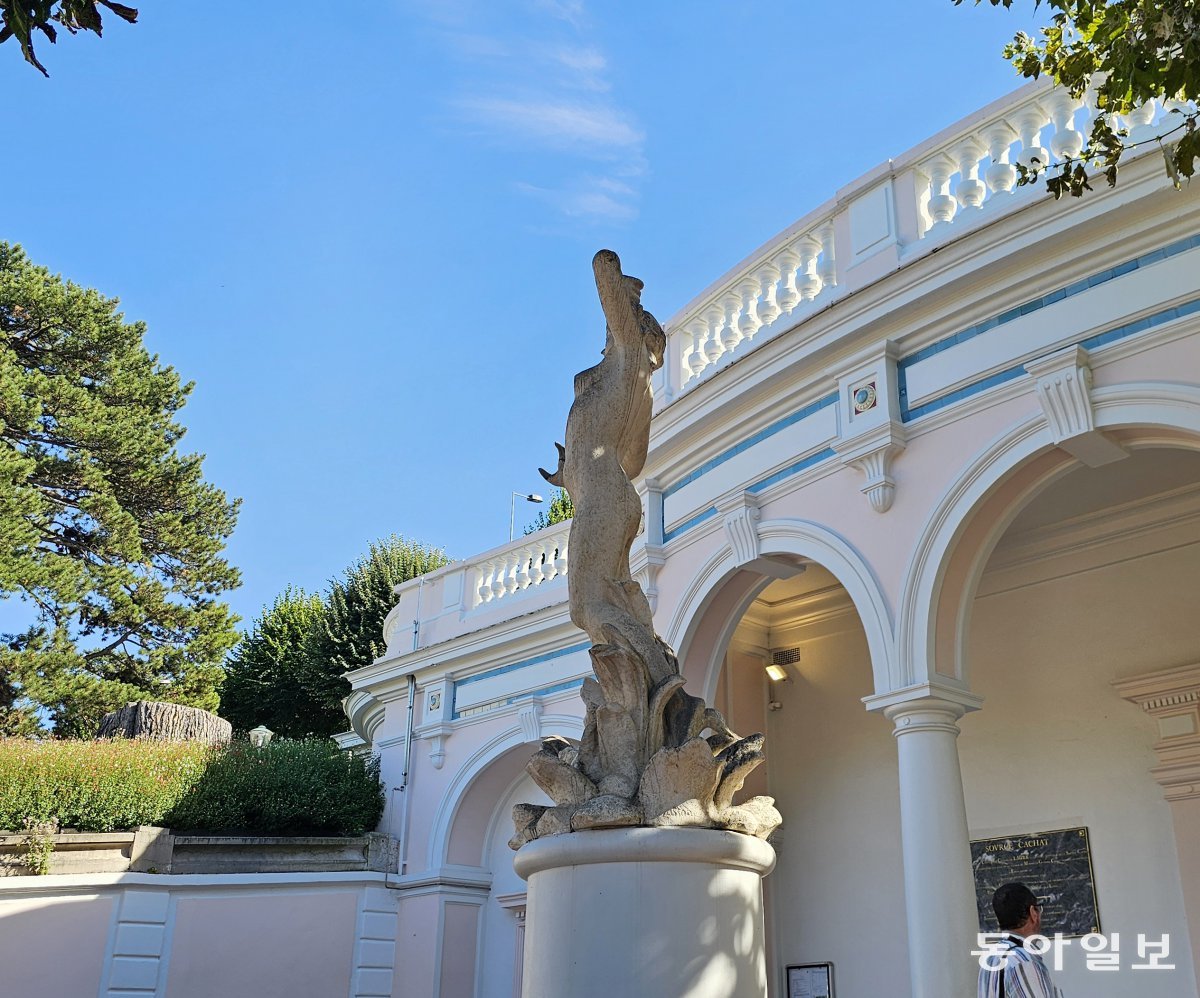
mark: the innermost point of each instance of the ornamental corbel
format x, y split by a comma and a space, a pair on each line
530, 719
436, 735
872, 453
1063, 383
741, 516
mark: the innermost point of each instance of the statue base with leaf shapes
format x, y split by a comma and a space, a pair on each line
644, 759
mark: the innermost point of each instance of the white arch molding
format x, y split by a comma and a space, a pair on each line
564, 725
1151, 407
798, 538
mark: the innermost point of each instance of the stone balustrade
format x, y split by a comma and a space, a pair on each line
910, 204
533, 560
460, 595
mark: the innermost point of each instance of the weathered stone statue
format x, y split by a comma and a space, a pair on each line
645, 757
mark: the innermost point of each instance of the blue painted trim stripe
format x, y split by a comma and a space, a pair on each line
1061, 294
792, 469
524, 663
974, 388
750, 441
695, 521
570, 684
490, 705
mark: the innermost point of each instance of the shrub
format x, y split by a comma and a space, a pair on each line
95, 786
305, 787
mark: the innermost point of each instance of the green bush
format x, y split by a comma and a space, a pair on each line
95, 786
285, 788
305, 787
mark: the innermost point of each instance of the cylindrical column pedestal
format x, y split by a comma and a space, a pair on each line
662, 912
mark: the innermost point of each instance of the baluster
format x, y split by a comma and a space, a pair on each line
510, 573
768, 307
808, 284
731, 336
686, 338
560, 563
1001, 176
537, 568
1066, 142
749, 291
715, 346
1030, 123
970, 190
483, 590
1171, 120
828, 265
787, 296
700, 332
521, 575
498, 586
942, 206
1141, 122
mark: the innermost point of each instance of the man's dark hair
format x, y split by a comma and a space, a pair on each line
1011, 903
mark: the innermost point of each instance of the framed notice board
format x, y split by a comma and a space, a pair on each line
810, 980
1055, 865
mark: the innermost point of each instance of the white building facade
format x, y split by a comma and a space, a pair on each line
935, 449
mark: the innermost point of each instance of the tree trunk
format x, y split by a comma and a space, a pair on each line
165, 722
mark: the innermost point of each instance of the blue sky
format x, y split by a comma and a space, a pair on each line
367, 238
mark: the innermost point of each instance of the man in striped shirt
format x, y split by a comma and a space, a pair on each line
1011, 970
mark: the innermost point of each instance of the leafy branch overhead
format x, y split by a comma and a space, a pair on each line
1121, 55
21, 19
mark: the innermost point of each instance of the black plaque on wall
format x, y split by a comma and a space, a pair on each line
1056, 866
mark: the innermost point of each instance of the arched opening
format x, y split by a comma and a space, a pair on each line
482, 912
1066, 589
831, 767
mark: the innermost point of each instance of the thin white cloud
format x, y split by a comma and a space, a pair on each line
561, 124
540, 82
571, 11
595, 199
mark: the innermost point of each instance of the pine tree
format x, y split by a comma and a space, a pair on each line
109, 536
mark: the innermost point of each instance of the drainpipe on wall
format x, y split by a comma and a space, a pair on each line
403, 788
402, 847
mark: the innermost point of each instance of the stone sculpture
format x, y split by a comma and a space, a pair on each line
644, 758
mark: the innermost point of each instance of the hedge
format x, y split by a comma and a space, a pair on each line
284, 788
95, 786
305, 787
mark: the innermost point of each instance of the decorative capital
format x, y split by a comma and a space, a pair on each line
1064, 389
926, 707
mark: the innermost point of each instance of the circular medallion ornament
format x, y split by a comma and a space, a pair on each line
864, 398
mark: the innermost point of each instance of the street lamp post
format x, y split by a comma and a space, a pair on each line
512, 508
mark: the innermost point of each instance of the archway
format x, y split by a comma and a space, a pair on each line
830, 764
1058, 588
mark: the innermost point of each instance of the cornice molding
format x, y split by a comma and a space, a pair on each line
1172, 698
1088, 531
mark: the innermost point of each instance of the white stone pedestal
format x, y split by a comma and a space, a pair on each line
645, 913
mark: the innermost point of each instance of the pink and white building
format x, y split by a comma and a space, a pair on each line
935, 450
